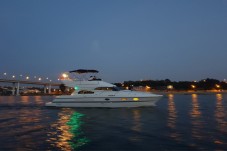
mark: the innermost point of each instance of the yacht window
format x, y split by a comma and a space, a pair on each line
85, 92
107, 88
124, 99
104, 88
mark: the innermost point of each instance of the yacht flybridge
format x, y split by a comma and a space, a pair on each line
93, 92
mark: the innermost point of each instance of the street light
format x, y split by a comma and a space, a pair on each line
4, 74
27, 78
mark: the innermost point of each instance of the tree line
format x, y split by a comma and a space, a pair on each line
204, 84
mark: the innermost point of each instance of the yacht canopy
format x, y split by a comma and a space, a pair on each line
79, 71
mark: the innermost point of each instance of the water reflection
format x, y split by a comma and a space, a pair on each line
67, 133
38, 100
172, 118
136, 126
9, 100
172, 112
21, 125
25, 100
220, 117
28, 126
195, 114
195, 111
136, 120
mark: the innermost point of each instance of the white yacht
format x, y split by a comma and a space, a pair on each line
94, 92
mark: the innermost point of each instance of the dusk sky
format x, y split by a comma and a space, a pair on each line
123, 39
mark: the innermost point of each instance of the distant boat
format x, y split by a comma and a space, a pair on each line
93, 92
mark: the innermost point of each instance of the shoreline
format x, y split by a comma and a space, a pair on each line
162, 92
190, 92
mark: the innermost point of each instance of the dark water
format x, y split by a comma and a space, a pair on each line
178, 122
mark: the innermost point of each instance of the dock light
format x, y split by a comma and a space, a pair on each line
76, 88
193, 86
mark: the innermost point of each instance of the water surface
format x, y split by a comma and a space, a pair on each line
178, 122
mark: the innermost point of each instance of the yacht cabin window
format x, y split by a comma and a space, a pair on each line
85, 92
107, 88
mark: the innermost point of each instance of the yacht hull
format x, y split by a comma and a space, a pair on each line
104, 102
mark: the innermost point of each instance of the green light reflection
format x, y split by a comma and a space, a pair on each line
75, 123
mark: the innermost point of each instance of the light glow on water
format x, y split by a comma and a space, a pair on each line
68, 131
178, 122
75, 123
196, 119
136, 125
172, 118
220, 114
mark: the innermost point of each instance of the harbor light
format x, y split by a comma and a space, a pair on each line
13, 76
170, 87
217, 85
147, 87
193, 86
27, 78
40, 79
